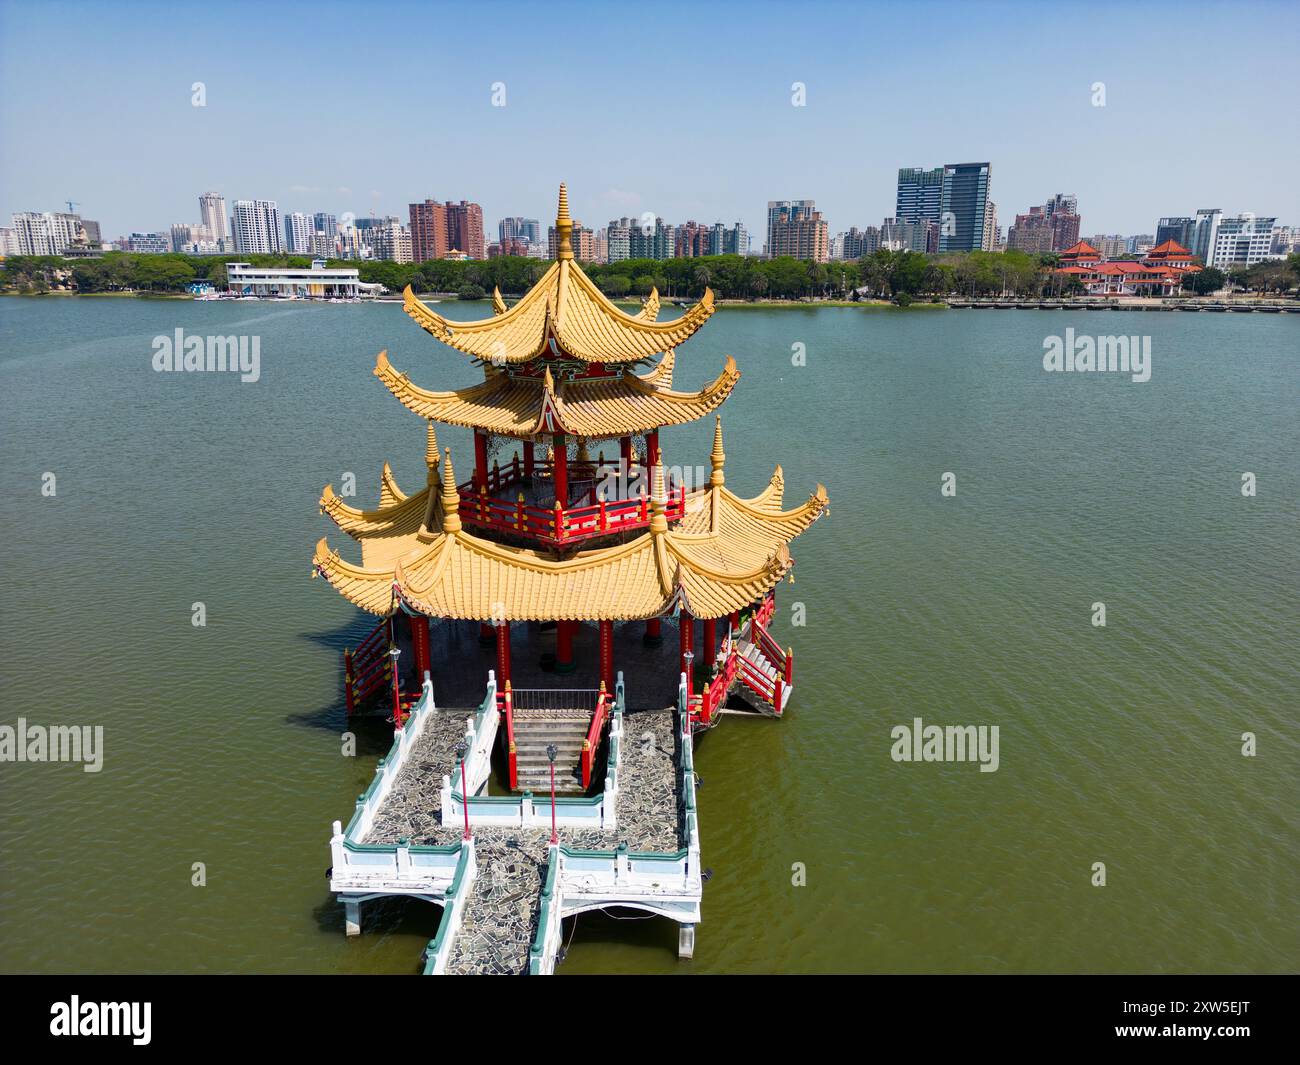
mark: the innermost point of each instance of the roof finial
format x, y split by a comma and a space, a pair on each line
718, 456
431, 451
563, 227
658, 499
450, 498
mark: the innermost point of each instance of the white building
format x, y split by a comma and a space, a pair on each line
316, 282
256, 227
46, 233
1242, 240
299, 229
212, 207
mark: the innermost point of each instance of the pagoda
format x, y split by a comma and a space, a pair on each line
569, 517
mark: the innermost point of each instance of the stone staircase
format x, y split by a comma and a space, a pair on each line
534, 731
760, 701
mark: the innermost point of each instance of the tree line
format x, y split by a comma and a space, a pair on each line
901, 276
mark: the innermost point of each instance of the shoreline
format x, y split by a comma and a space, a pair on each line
1130, 303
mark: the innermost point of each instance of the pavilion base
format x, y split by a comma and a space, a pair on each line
686, 941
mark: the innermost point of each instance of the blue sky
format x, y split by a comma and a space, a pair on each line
684, 111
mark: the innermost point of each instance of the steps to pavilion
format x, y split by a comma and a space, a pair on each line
758, 679
535, 730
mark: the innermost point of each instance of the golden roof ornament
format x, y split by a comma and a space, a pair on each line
431, 451
658, 500
563, 227
717, 456
450, 498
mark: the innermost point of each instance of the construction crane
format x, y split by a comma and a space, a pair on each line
72, 205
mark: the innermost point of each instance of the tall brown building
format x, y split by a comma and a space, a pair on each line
582, 239
437, 228
801, 233
465, 228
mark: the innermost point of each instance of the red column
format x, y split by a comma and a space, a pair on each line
420, 642
561, 472
486, 634
652, 448
653, 634
607, 654
735, 620
480, 459
710, 640
564, 646
686, 630
503, 655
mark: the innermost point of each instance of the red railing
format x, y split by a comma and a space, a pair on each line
506, 704
559, 524
368, 669
592, 743
737, 669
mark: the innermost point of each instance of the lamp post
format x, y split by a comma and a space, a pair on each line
688, 657
462, 749
393, 652
551, 752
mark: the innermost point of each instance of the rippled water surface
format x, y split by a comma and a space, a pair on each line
1119, 745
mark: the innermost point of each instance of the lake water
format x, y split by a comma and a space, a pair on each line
1120, 744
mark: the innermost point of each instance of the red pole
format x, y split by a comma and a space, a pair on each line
686, 631
652, 448
393, 652
480, 459
464, 795
607, 654
710, 638
420, 639
503, 653
564, 646
561, 470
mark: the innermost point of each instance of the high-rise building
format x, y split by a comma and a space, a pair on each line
47, 232
256, 227
692, 240
582, 240
796, 228
9, 242
618, 240
149, 243
920, 195
1175, 228
1204, 232
919, 236
526, 229
428, 230
212, 210
299, 231
1109, 245
992, 231
440, 228
1241, 240
964, 206
955, 197
859, 243
385, 238
1052, 227
1140, 243
465, 228
786, 211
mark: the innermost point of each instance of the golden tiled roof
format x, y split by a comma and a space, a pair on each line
594, 407
566, 307
724, 555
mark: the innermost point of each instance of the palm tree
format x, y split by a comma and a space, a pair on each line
703, 276
816, 276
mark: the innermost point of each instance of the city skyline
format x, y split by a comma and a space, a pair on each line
436, 134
